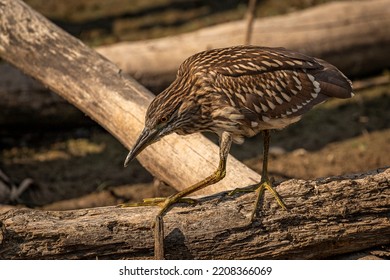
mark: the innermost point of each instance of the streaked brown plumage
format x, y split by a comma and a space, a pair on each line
237, 92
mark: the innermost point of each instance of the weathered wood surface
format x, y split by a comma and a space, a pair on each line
327, 218
351, 35
114, 100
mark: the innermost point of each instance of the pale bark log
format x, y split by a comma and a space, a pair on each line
117, 102
327, 217
351, 35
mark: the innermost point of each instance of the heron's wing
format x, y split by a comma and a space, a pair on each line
250, 60
277, 83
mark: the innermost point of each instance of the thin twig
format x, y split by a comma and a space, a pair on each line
250, 15
159, 238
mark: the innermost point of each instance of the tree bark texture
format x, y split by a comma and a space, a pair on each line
116, 101
352, 35
326, 218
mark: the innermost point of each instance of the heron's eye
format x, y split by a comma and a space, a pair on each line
163, 119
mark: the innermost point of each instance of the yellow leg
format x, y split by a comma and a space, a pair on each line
219, 174
265, 183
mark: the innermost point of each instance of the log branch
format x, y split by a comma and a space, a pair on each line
327, 217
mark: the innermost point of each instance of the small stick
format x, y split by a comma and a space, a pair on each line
250, 15
159, 238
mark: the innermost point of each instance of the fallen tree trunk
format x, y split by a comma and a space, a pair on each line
347, 34
116, 101
327, 217
350, 35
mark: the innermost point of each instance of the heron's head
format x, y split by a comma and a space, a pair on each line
173, 110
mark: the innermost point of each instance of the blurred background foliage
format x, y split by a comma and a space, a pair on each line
103, 22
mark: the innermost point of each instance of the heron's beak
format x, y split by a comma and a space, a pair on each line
145, 139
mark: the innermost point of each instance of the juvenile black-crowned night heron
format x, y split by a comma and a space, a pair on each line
237, 92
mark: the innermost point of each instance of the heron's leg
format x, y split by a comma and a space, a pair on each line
219, 174
265, 183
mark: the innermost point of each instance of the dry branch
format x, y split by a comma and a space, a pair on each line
97, 87
351, 35
249, 17
327, 217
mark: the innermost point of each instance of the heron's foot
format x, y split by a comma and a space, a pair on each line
243, 190
259, 189
159, 201
164, 202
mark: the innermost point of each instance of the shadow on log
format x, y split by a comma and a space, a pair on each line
327, 217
